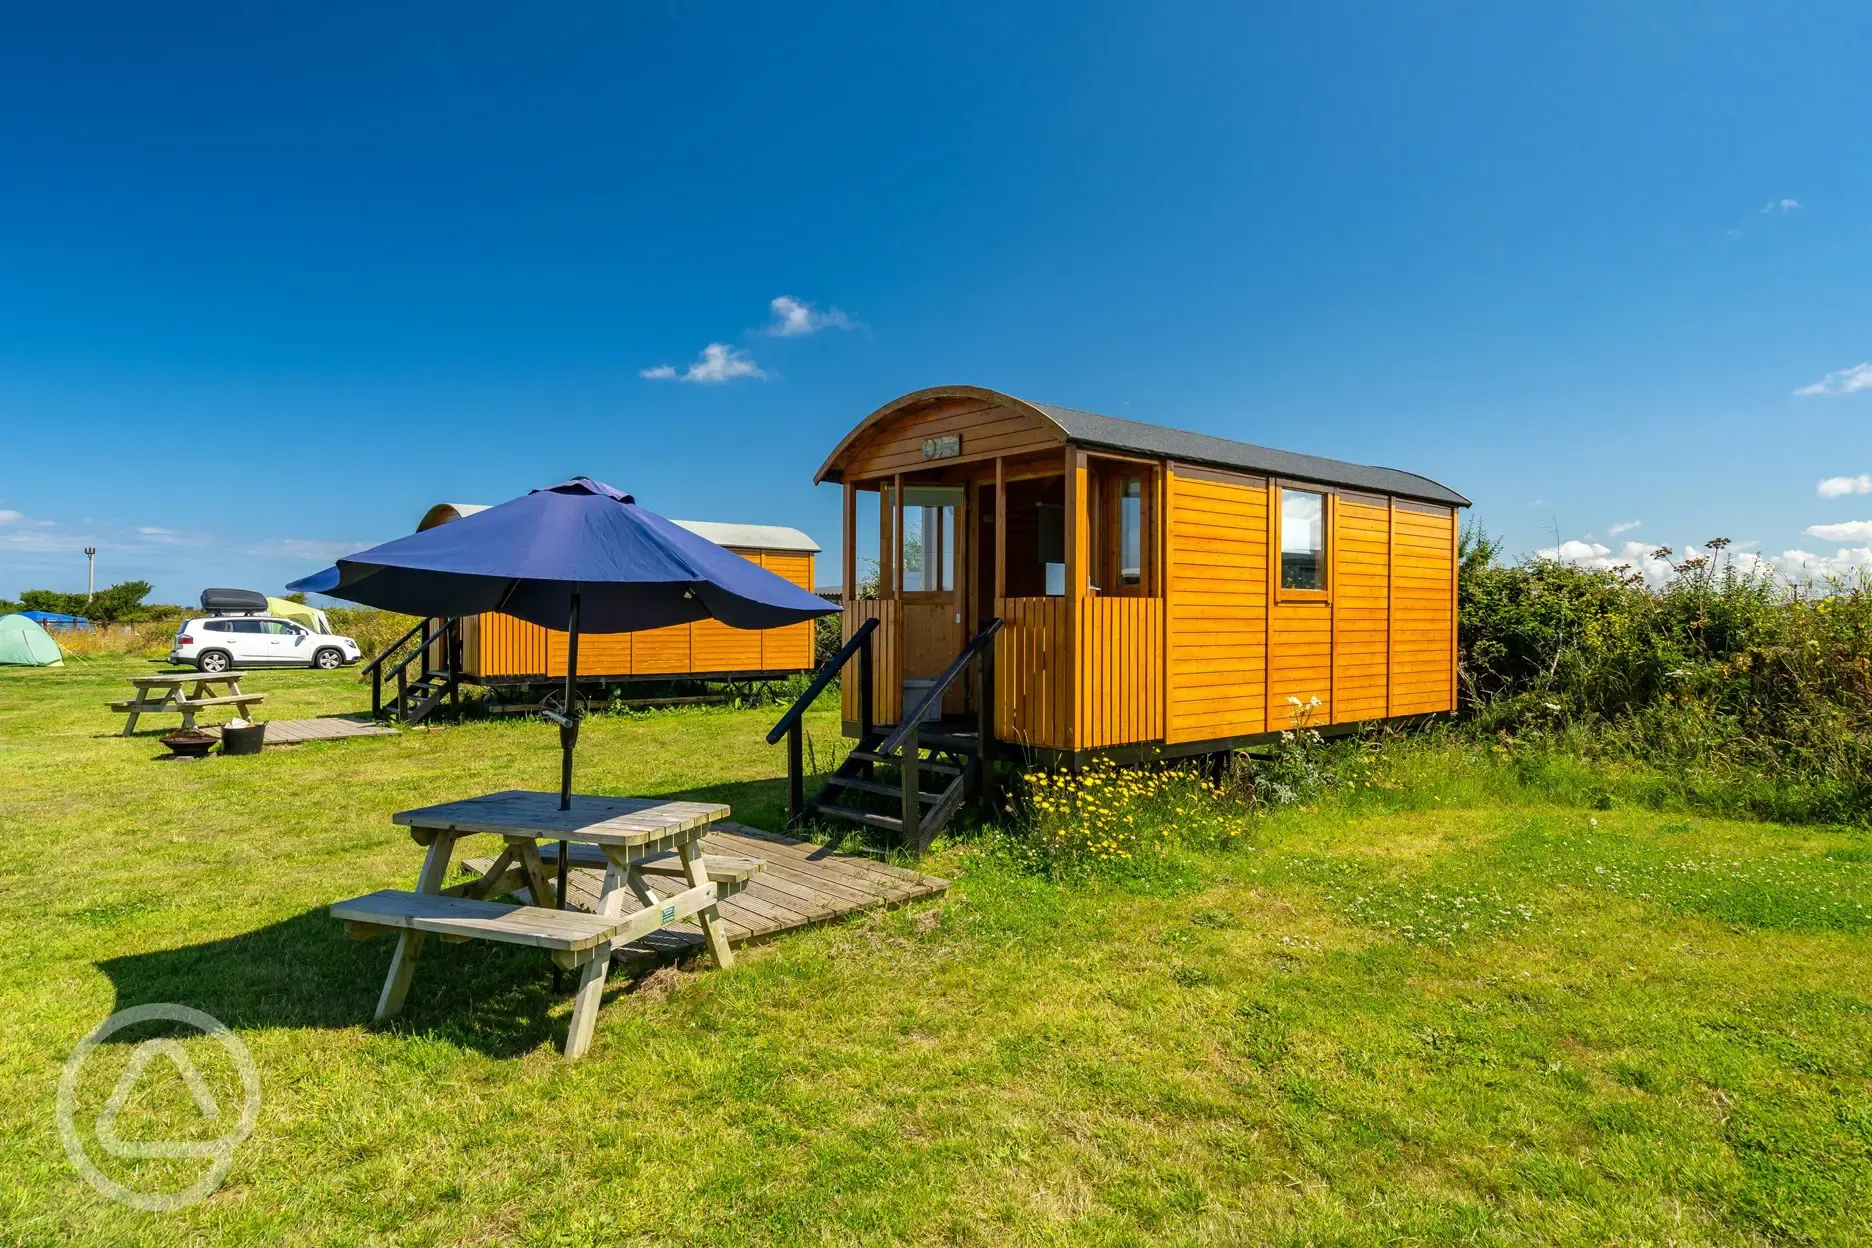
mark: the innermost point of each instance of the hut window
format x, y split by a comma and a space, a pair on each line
929, 538
1131, 531
1050, 522
1303, 540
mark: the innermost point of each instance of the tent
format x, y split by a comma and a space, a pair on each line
52, 619
314, 620
24, 644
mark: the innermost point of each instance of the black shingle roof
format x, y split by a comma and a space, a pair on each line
1137, 437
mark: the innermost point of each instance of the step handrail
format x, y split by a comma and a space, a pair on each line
396, 645
824, 677
914, 719
377, 674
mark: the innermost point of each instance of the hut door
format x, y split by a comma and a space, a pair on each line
934, 565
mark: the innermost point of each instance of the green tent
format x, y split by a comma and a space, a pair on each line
24, 644
295, 611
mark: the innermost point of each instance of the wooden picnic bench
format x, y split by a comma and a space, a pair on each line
642, 844
163, 693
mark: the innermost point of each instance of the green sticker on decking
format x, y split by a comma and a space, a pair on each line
667, 913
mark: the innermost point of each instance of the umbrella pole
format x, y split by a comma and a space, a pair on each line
568, 738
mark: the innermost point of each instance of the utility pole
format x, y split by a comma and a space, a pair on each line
90, 575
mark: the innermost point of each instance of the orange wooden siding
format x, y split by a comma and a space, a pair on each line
1360, 571
1301, 662
497, 645
886, 670
1031, 671
1423, 564
1216, 622
789, 648
1121, 671
1234, 669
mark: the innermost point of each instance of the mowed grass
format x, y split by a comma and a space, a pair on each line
1446, 1011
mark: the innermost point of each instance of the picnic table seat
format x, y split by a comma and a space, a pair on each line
573, 937
462, 918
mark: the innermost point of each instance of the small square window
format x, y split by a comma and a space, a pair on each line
1303, 540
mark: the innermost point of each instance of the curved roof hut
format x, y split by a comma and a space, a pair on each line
1161, 592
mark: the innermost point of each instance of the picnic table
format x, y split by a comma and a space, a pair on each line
163, 692
642, 843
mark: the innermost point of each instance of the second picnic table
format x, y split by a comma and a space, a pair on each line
640, 842
163, 693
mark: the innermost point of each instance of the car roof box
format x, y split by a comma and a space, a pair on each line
233, 602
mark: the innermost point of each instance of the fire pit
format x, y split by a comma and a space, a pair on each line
189, 744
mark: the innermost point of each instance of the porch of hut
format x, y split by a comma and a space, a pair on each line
1062, 545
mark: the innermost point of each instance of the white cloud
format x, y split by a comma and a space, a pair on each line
1847, 531
1834, 487
10, 517
718, 362
35, 540
1637, 556
1782, 205
1842, 381
793, 317
1801, 565
1624, 526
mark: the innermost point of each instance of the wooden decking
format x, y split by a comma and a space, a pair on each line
326, 728
802, 884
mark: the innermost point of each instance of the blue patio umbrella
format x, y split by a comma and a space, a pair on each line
579, 556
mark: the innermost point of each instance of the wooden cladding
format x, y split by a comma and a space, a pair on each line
1361, 592
1423, 610
1216, 619
886, 660
984, 431
1032, 670
497, 646
1243, 659
1120, 672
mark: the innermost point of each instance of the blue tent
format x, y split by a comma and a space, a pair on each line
52, 619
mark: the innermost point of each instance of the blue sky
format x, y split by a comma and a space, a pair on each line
274, 280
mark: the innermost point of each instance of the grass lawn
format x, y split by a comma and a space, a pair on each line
1450, 1011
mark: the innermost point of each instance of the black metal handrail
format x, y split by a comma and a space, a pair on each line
911, 721
824, 677
792, 724
396, 645
445, 630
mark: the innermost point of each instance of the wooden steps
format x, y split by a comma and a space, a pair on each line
852, 795
879, 787
851, 814
928, 764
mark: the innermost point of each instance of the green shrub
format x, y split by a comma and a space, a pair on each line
1756, 695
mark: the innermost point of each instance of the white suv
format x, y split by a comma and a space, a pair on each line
216, 643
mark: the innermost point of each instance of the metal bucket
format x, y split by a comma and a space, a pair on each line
913, 693
246, 740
